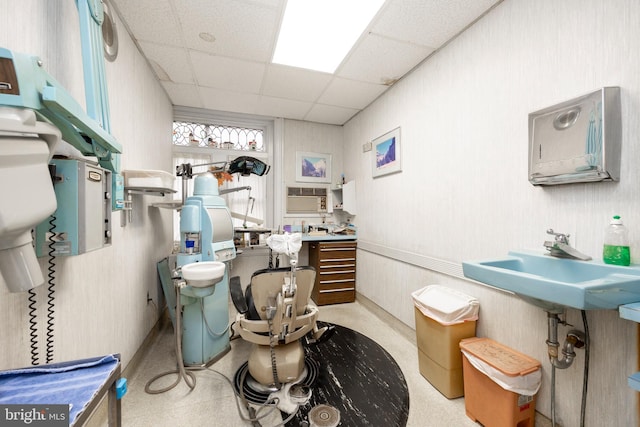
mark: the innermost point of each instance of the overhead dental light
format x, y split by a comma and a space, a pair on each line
318, 34
246, 166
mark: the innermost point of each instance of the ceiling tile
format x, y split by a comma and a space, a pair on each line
279, 4
428, 22
151, 20
351, 93
378, 60
280, 107
173, 62
181, 94
223, 100
295, 83
241, 29
227, 73
330, 114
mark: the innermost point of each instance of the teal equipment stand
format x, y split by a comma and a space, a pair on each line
206, 231
205, 319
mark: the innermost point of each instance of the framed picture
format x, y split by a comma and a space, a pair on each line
387, 153
313, 167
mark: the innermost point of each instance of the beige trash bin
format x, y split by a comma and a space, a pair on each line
443, 317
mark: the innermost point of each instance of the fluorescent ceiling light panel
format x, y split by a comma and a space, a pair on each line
318, 34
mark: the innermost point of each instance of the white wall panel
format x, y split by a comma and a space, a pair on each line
463, 192
100, 298
316, 138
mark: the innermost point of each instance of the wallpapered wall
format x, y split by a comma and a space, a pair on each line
463, 192
101, 296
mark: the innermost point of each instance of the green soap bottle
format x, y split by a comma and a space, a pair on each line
616, 243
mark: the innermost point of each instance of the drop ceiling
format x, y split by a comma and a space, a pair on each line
216, 54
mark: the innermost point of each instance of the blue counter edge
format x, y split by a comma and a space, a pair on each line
634, 381
632, 312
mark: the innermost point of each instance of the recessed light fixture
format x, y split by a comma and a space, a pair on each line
318, 34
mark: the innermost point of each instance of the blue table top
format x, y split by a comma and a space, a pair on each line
74, 383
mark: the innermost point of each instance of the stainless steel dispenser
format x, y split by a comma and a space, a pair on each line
576, 141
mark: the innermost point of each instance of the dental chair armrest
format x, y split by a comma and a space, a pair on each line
257, 331
257, 338
235, 289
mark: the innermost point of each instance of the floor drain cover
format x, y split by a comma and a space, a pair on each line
324, 416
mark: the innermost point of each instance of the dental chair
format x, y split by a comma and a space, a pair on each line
275, 313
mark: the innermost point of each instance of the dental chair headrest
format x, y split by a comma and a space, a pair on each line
288, 244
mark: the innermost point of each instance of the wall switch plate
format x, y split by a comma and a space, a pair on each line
366, 147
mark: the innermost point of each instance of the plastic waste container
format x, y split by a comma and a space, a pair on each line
500, 384
444, 316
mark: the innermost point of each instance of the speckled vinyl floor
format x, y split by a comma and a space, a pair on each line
212, 402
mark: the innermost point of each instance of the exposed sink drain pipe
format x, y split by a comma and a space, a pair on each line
575, 339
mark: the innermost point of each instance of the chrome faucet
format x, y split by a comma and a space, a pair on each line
561, 248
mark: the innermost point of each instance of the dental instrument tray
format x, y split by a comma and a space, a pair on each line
148, 181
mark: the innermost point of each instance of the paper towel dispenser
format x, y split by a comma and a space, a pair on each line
576, 141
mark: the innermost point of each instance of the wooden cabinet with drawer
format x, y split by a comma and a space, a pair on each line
335, 264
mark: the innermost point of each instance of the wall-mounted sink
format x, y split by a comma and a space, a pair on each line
555, 283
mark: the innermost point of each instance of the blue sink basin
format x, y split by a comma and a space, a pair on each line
555, 283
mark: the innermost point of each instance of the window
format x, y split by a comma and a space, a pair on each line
199, 139
189, 134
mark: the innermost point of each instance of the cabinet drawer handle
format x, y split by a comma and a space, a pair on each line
324, 282
337, 266
337, 290
337, 249
337, 259
338, 272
